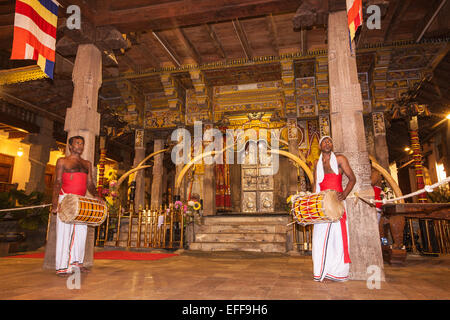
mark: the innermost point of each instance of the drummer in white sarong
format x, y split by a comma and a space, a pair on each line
330, 240
73, 176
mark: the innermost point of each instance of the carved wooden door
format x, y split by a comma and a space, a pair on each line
257, 186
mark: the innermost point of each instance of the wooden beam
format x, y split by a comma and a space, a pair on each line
88, 12
154, 61
362, 36
12, 99
304, 41
167, 49
432, 13
273, 33
439, 57
212, 34
240, 32
393, 17
181, 35
129, 62
184, 13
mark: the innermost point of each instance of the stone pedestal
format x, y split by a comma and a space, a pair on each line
349, 139
81, 119
158, 171
40, 146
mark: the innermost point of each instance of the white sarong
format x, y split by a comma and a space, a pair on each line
70, 244
327, 243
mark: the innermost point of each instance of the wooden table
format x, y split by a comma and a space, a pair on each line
396, 214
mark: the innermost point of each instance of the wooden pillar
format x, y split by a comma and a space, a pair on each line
180, 163
101, 165
158, 171
379, 134
209, 178
139, 155
81, 119
349, 139
40, 145
417, 156
293, 148
209, 190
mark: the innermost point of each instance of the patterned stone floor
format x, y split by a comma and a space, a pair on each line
220, 276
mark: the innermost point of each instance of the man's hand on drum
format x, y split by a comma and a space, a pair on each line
342, 196
55, 209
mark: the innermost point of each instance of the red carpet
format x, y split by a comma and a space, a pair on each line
111, 255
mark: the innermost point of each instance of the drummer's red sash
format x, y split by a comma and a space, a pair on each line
332, 181
74, 182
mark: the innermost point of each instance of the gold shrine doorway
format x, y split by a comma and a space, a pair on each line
257, 183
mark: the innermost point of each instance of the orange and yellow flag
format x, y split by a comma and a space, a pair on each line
354, 16
35, 25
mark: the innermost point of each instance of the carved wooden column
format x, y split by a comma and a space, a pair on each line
293, 148
348, 136
101, 165
158, 171
379, 136
139, 155
81, 119
180, 161
417, 156
209, 180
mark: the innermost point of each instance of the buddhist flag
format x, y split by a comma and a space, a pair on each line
35, 32
354, 16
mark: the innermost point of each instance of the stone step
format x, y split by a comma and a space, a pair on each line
279, 247
240, 237
247, 219
248, 228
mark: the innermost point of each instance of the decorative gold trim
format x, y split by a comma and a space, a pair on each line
272, 59
23, 74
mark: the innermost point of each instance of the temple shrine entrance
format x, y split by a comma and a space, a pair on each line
257, 183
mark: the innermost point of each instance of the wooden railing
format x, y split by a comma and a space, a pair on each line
5, 187
302, 239
427, 236
163, 228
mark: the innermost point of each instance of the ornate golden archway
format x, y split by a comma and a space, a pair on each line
287, 154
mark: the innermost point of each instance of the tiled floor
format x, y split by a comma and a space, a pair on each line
220, 276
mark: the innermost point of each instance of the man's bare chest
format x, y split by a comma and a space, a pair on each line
75, 166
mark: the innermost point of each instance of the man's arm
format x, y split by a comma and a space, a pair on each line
58, 184
90, 181
343, 162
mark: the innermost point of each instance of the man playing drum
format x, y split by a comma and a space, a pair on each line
73, 175
330, 240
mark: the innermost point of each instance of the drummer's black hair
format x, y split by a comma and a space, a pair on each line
75, 137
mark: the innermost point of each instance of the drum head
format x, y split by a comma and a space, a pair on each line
68, 208
333, 207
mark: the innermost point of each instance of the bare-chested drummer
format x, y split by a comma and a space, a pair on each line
330, 240
73, 175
